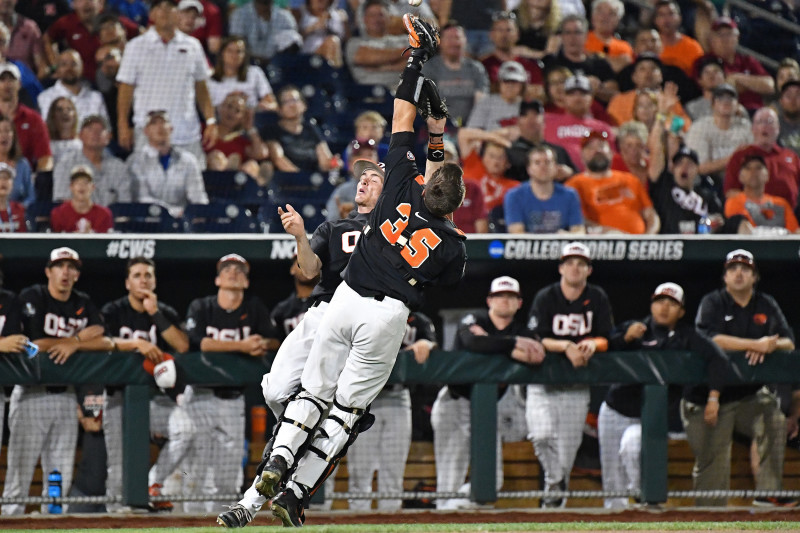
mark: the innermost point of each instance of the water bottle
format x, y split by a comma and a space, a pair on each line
31, 349
54, 491
704, 225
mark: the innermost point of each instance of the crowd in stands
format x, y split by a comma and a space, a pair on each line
655, 118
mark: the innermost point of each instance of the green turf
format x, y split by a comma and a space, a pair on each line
471, 528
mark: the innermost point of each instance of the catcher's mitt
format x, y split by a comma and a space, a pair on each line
430, 103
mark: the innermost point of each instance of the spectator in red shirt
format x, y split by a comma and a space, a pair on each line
203, 21
783, 164
12, 214
745, 73
76, 31
80, 214
26, 38
569, 129
31, 129
239, 146
504, 34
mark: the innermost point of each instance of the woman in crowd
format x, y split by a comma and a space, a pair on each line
538, 21
632, 146
62, 125
10, 154
239, 146
296, 144
324, 28
234, 73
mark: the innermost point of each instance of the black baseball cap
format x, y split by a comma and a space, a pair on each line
722, 89
685, 151
647, 56
532, 105
789, 83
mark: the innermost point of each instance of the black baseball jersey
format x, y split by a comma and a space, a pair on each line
627, 399
10, 319
434, 251
334, 242
205, 318
679, 209
43, 316
553, 316
719, 314
125, 322
289, 312
496, 342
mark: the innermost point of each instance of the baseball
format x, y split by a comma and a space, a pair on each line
414, 2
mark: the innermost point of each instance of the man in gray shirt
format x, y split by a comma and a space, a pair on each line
163, 174
462, 81
376, 57
267, 28
111, 183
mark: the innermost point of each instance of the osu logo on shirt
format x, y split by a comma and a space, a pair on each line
59, 326
128, 333
228, 334
573, 324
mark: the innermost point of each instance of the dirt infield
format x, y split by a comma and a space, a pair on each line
410, 517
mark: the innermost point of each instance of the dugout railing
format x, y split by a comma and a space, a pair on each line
656, 370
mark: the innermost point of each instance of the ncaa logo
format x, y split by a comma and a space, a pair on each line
496, 249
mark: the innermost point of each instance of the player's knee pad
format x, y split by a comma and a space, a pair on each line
277, 394
298, 423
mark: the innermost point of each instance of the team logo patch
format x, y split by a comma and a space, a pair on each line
760, 319
532, 323
191, 323
468, 320
29, 310
410, 156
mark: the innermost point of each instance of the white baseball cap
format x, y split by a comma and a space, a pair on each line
188, 4
504, 284
165, 374
10, 68
233, 258
669, 290
64, 254
740, 256
512, 71
5, 167
576, 249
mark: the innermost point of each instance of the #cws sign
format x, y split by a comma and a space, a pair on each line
601, 250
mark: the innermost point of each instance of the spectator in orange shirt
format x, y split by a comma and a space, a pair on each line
486, 163
606, 15
767, 213
678, 49
612, 201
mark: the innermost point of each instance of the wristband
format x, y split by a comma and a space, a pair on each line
161, 321
436, 147
714, 399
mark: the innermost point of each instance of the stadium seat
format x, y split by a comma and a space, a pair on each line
497, 220
312, 185
312, 210
233, 186
304, 69
219, 218
37, 215
143, 218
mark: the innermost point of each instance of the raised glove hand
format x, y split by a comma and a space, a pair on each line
430, 103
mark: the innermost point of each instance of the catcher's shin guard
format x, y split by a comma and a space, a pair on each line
297, 425
335, 435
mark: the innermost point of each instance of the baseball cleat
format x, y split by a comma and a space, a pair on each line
423, 37
271, 476
158, 507
235, 516
289, 509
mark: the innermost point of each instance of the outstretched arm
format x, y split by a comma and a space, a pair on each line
403, 116
435, 146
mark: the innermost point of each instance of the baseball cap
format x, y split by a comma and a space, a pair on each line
504, 284
512, 71
156, 114
669, 290
156, 3
10, 68
722, 89
724, 22
188, 4
647, 56
532, 105
81, 171
789, 83
740, 256
576, 249
233, 258
685, 151
578, 83
593, 134
362, 165
705, 61
5, 167
64, 254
